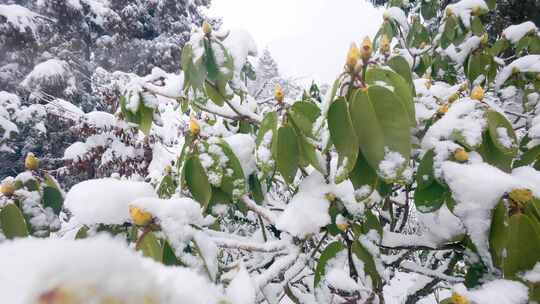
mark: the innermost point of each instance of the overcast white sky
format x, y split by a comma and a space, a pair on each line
308, 38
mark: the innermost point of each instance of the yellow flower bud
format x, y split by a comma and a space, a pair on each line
366, 49
278, 93
458, 299
206, 28
442, 109
31, 162
464, 87
422, 45
485, 39
453, 97
331, 197
384, 45
386, 16
477, 93
428, 84
343, 226
7, 188
461, 155
449, 12
194, 126
139, 217
521, 195
352, 56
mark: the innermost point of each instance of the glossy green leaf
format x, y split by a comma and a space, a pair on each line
52, 197
214, 94
147, 117
13, 222
425, 176
398, 86
150, 247
237, 180
381, 123
498, 234
342, 131
492, 155
401, 66
197, 180
362, 174
168, 257
268, 123
430, 198
287, 158
523, 246
369, 264
328, 253
497, 123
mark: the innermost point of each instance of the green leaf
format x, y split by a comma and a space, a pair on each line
492, 155
401, 66
168, 257
194, 72
287, 158
425, 176
371, 222
268, 123
496, 121
255, 188
429, 8
214, 94
498, 234
523, 246
167, 187
430, 198
362, 174
13, 222
369, 264
381, 123
82, 233
328, 253
342, 133
52, 198
150, 247
303, 114
308, 154
236, 181
147, 117
476, 26
400, 88
197, 180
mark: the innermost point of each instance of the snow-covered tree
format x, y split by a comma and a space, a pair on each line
421, 164
267, 77
51, 49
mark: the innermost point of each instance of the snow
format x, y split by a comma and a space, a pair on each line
105, 201
311, 205
392, 164
52, 68
477, 188
398, 15
100, 119
461, 53
504, 138
515, 32
19, 17
241, 290
75, 151
240, 45
436, 229
464, 8
243, 146
95, 269
532, 275
497, 291
529, 63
